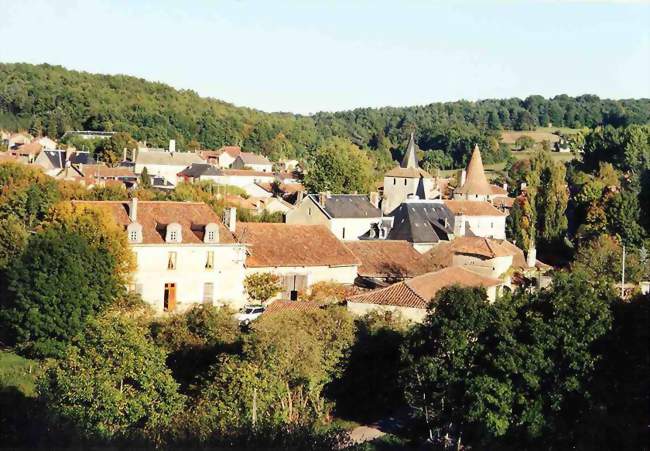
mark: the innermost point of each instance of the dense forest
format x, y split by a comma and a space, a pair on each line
51, 100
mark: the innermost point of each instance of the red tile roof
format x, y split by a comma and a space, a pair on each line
283, 306
473, 208
281, 245
233, 151
387, 259
442, 255
155, 216
418, 292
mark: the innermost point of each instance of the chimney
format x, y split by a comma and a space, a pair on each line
374, 199
230, 218
133, 209
322, 197
505, 186
172, 145
463, 176
124, 154
299, 196
531, 258
68, 154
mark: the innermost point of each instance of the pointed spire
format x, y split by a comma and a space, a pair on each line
475, 182
410, 158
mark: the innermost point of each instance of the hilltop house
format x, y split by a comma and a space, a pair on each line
411, 297
406, 181
301, 255
252, 161
348, 216
185, 254
52, 162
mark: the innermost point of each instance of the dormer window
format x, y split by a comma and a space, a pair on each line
134, 232
211, 233
173, 233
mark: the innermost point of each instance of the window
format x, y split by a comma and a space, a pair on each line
172, 236
491, 225
394, 181
405, 182
208, 292
171, 260
133, 236
309, 211
209, 264
211, 235
343, 234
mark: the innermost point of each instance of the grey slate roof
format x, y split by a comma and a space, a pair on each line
410, 157
198, 169
348, 206
82, 158
421, 222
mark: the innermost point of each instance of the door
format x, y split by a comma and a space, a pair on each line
169, 302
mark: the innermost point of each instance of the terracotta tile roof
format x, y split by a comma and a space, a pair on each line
154, 217
498, 190
102, 171
519, 259
6, 156
506, 202
443, 254
473, 208
274, 244
413, 173
300, 306
417, 292
32, 148
233, 151
475, 182
387, 259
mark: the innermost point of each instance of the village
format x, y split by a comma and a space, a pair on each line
392, 249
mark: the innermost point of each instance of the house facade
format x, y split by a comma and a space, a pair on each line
477, 218
252, 161
166, 164
185, 255
347, 216
301, 255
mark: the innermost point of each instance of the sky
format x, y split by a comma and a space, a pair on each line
311, 55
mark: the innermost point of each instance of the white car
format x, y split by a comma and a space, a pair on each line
249, 313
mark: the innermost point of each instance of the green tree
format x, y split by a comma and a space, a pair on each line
624, 217
262, 286
57, 284
13, 240
113, 384
339, 166
524, 142
145, 179
110, 151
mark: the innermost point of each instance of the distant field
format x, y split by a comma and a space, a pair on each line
539, 135
18, 373
557, 156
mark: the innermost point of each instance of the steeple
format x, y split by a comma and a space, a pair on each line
410, 158
476, 182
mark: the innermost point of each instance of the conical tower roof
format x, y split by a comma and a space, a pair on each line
410, 157
475, 181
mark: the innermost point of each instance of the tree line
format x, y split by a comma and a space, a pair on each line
51, 100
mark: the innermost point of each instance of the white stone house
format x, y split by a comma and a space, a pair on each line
348, 216
166, 164
477, 218
301, 255
184, 253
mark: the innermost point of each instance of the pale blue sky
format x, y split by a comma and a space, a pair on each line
307, 56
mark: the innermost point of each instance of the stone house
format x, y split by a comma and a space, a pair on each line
301, 255
163, 163
185, 254
348, 216
253, 161
477, 218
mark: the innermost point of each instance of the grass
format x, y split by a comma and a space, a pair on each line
18, 373
556, 156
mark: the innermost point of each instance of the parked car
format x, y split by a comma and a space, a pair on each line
249, 313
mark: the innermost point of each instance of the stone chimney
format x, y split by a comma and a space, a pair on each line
299, 196
172, 145
463, 176
124, 154
531, 257
374, 199
505, 186
133, 210
230, 218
